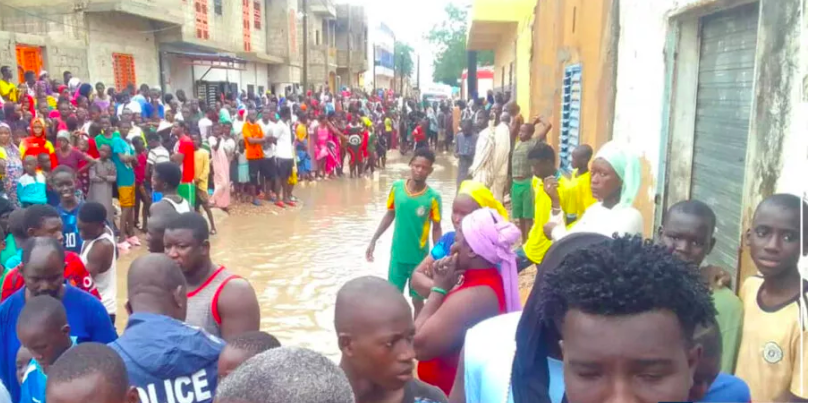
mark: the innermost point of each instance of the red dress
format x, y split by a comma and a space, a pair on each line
441, 371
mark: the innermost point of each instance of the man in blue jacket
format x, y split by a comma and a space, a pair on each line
167, 360
43, 274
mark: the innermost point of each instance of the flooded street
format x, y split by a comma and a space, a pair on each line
298, 258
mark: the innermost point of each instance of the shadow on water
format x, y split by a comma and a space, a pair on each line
298, 259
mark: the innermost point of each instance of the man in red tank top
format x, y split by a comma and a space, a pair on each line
219, 302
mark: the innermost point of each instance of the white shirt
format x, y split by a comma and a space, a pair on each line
205, 127
133, 106
602, 220
237, 126
285, 146
268, 131
105, 282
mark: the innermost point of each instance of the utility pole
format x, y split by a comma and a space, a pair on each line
402, 73
419, 71
374, 63
305, 46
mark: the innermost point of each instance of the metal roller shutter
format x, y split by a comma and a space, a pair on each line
724, 98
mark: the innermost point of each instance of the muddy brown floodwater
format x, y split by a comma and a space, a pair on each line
297, 259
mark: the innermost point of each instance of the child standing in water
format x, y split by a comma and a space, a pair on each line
102, 179
242, 173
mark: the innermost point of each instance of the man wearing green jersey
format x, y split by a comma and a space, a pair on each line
414, 206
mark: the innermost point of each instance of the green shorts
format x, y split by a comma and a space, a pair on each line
400, 275
187, 191
522, 199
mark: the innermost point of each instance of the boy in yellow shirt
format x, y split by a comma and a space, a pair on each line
202, 179
542, 158
773, 352
577, 187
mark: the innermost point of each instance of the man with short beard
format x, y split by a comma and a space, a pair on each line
43, 266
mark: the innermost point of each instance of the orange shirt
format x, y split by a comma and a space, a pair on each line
253, 130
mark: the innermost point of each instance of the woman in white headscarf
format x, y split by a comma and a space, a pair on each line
615, 180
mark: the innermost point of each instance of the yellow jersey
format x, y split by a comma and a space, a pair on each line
538, 244
577, 194
773, 350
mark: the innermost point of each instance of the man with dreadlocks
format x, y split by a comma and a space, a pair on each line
626, 312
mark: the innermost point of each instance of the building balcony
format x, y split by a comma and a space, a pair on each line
323, 8
166, 11
492, 20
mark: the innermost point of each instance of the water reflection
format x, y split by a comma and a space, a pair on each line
297, 259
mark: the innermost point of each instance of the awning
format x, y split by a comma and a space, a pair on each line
212, 60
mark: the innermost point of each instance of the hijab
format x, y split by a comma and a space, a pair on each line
626, 165
492, 238
483, 196
529, 372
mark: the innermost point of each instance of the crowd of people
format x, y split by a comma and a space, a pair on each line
610, 317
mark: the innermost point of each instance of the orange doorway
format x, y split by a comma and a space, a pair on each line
28, 58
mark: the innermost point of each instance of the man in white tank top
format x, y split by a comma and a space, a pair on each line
99, 252
166, 177
221, 303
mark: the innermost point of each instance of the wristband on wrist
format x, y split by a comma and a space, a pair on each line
439, 290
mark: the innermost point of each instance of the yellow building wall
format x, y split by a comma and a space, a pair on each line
513, 45
568, 32
523, 64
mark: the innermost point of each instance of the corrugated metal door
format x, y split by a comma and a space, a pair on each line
724, 98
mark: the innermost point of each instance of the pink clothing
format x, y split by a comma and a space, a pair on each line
221, 197
322, 137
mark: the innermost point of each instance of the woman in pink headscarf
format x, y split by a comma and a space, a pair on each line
478, 281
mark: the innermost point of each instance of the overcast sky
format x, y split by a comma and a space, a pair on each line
410, 20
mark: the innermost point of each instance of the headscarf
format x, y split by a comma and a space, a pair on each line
492, 238
83, 90
224, 119
626, 165
530, 378
73, 83
483, 196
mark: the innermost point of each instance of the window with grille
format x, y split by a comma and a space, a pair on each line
123, 70
571, 114
257, 15
202, 19
219, 7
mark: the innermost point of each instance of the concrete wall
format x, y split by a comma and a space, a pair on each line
654, 113
64, 44
117, 33
567, 32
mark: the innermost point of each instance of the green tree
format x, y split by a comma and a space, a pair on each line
403, 63
449, 37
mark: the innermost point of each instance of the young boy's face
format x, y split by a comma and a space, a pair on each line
65, 186
89, 230
30, 165
138, 144
774, 239
124, 128
105, 123
105, 152
526, 132
687, 236
45, 341
542, 168
421, 168
44, 162
23, 358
